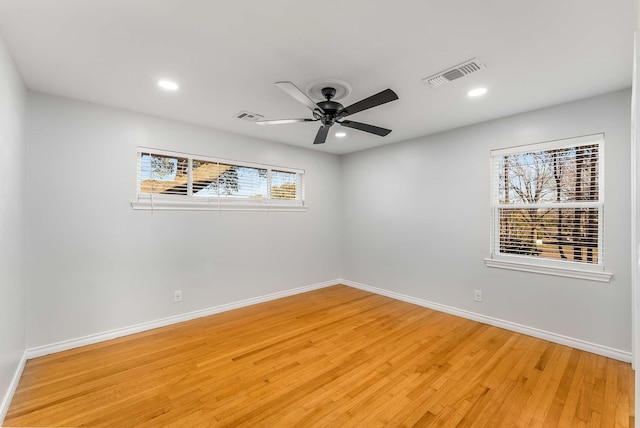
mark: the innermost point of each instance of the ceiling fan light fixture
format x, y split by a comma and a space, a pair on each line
168, 85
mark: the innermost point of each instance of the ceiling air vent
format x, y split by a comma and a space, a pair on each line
454, 73
251, 117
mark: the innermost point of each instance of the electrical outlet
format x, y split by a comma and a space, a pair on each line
477, 295
177, 296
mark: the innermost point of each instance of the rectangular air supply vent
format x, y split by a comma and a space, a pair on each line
251, 117
453, 73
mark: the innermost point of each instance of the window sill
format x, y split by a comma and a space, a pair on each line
173, 205
549, 270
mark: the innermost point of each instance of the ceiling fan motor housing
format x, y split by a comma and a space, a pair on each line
331, 108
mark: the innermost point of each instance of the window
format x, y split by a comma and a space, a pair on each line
169, 180
547, 208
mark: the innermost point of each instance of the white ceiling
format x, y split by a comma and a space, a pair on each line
226, 56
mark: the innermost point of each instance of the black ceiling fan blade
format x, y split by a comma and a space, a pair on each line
374, 100
282, 121
300, 96
321, 136
366, 127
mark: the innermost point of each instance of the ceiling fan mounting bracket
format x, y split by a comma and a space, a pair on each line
328, 93
314, 89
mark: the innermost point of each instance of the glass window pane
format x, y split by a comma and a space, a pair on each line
205, 177
559, 233
560, 175
283, 185
225, 180
163, 174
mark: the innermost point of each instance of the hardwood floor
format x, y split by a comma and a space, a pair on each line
335, 357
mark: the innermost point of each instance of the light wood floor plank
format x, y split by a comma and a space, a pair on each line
335, 357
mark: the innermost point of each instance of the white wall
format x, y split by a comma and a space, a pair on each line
12, 289
416, 222
94, 264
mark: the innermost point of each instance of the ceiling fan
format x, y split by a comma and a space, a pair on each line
329, 112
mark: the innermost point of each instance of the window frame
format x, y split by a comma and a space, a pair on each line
528, 263
191, 202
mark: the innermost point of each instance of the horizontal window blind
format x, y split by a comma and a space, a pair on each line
160, 174
548, 203
226, 181
284, 185
181, 176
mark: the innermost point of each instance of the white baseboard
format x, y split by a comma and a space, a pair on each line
583, 345
531, 331
112, 334
8, 396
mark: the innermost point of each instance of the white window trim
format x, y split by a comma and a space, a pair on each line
568, 269
149, 201
213, 204
580, 272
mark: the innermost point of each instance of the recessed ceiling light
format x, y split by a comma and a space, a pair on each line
341, 134
477, 92
168, 85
